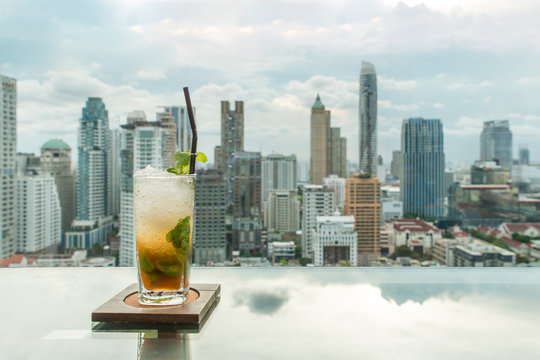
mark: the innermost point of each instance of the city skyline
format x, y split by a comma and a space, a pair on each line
463, 63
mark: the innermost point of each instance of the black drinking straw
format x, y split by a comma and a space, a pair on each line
193, 132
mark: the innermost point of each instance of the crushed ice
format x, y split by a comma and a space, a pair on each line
149, 171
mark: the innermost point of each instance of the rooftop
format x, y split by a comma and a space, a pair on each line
55, 144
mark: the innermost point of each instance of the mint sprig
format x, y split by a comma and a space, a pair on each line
182, 162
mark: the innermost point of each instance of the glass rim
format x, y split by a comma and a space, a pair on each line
164, 176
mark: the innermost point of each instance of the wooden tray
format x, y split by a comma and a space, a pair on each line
125, 307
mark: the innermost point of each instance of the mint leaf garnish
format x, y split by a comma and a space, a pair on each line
179, 236
146, 265
182, 162
171, 270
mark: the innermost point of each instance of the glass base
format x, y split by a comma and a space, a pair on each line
147, 297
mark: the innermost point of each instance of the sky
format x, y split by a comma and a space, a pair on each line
461, 61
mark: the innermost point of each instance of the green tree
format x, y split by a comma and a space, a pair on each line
521, 238
448, 235
522, 260
283, 262
298, 252
501, 244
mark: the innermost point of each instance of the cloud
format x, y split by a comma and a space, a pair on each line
438, 105
469, 85
150, 75
392, 84
261, 302
531, 80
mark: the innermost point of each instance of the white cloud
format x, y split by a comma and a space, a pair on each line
468, 85
136, 28
392, 84
406, 107
531, 80
438, 105
150, 75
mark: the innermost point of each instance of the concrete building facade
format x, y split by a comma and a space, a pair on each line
334, 241
8, 150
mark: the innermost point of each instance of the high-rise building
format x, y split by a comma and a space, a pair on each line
317, 200
496, 142
167, 123
209, 238
183, 126
337, 184
142, 145
94, 169
334, 241
396, 166
246, 182
8, 149
282, 210
56, 160
328, 148
39, 217
523, 155
278, 173
93, 220
422, 186
363, 201
116, 171
368, 119
232, 140
337, 159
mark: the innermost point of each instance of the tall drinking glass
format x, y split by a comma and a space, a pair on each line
164, 218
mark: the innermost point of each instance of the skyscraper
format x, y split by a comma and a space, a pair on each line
142, 145
93, 219
368, 119
523, 155
166, 122
56, 160
116, 171
363, 201
423, 181
337, 184
183, 126
8, 149
232, 140
328, 148
209, 239
278, 173
496, 142
246, 182
281, 211
317, 200
94, 170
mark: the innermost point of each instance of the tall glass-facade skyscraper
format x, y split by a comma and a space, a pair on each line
496, 142
94, 171
94, 178
422, 146
368, 119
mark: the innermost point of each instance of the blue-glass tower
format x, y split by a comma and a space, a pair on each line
94, 185
422, 148
368, 119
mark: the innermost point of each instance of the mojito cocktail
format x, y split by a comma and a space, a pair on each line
164, 218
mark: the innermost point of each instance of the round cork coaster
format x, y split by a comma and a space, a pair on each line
133, 300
